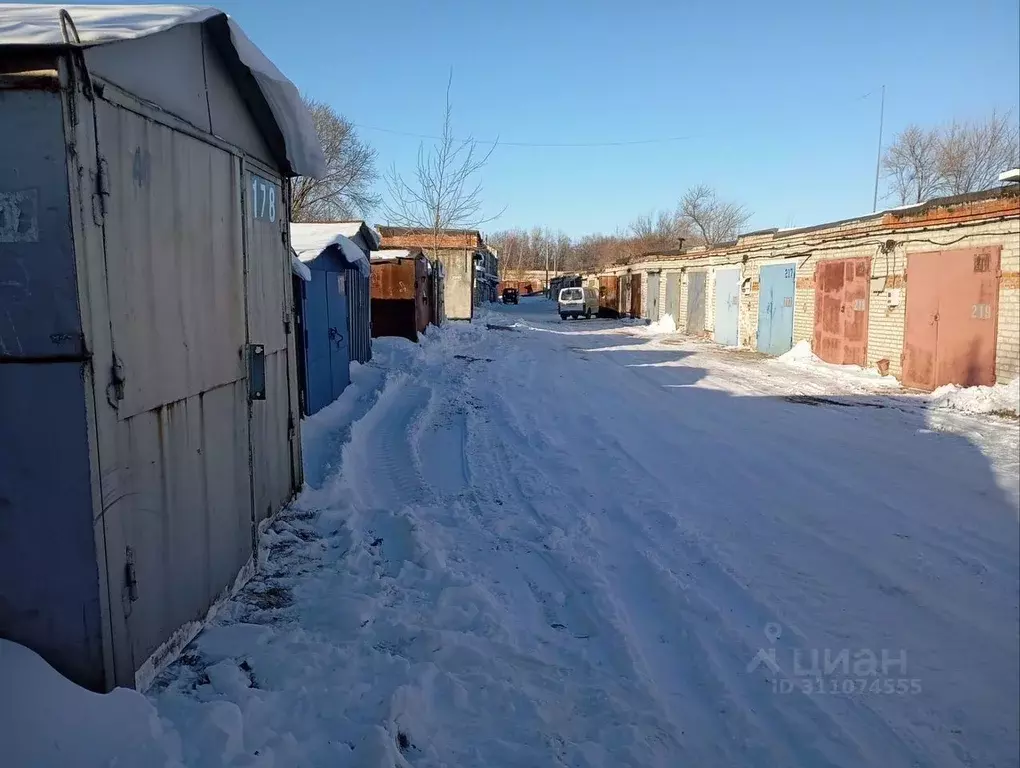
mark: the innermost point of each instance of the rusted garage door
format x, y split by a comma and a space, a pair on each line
952, 313
635, 295
841, 311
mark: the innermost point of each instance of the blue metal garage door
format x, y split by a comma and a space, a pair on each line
775, 308
727, 306
339, 343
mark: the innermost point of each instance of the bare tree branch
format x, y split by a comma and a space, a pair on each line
911, 165
345, 191
444, 191
712, 220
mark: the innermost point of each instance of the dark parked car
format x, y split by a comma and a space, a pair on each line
510, 296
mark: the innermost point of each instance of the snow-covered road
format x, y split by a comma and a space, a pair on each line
573, 544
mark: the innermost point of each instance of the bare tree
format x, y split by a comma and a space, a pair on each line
911, 164
345, 191
444, 192
972, 155
712, 220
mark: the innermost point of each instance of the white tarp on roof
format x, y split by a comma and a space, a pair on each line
309, 240
101, 24
391, 254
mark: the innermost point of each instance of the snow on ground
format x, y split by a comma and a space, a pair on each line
802, 357
1002, 398
547, 543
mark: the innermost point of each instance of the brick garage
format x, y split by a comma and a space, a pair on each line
985, 219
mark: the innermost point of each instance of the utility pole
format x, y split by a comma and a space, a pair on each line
548, 291
878, 160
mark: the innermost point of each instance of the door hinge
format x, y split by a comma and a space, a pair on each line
256, 372
101, 192
115, 389
130, 593
290, 425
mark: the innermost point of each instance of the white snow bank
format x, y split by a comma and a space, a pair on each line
801, 356
46, 720
660, 327
309, 240
1001, 397
111, 24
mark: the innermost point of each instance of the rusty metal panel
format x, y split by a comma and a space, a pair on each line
393, 279
952, 317
842, 289
172, 250
635, 295
609, 296
423, 311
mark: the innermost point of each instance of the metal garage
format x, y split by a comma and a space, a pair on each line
842, 288
152, 359
334, 313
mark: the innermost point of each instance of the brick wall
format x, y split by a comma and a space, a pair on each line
888, 240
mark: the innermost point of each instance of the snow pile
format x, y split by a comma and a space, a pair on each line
800, 353
45, 720
978, 400
664, 325
112, 24
310, 240
801, 357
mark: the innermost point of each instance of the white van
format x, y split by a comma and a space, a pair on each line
574, 302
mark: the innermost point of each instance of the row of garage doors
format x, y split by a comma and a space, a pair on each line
950, 325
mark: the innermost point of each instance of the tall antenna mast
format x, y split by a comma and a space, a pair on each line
878, 159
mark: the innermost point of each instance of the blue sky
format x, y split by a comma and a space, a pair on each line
769, 94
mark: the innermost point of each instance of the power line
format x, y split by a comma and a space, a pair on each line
557, 144
502, 143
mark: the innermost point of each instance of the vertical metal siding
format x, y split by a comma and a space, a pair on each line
38, 295
672, 304
174, 275
267, 271
727, 306
359, 307
653, 295
696, 302
318, 377
775, 308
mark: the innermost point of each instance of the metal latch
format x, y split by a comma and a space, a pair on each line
256, 372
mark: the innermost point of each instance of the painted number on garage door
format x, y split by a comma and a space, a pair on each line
981, 312
263, 201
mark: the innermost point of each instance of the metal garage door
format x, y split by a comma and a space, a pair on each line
775, 308
653, 296
841, 311
635, 295
696, 302
727, 306
952, 312
672, 307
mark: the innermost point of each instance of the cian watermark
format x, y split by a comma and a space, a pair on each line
833, 671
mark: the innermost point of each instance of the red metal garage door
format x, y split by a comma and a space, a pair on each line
841, 311
952, 315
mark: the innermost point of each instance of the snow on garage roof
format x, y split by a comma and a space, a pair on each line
309, 240
40, 25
